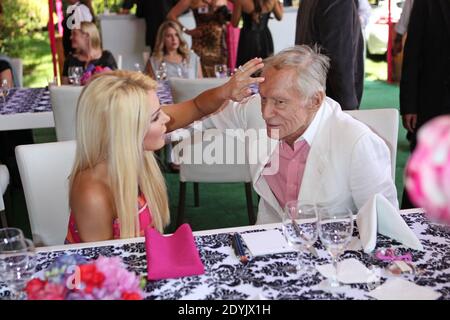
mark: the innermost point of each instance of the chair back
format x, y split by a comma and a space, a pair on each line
186, 89
64, 101
223, 158
18, 68
4, 182
44, 170
384, 122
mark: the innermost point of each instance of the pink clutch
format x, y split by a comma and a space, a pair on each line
172, 256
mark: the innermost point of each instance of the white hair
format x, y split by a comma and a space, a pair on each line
310, 66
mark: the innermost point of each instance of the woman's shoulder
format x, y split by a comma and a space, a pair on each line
88, 192
107, 54
73, 59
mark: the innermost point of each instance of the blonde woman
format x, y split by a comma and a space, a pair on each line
88, 50
116, 187
172, 50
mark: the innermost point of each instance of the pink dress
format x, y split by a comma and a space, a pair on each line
145, 220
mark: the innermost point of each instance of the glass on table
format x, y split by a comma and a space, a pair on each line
300, 229
335, 233
17, 261
161, 72
221, 70
4, 89
75, 74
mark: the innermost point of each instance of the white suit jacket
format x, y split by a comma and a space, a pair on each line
346, 165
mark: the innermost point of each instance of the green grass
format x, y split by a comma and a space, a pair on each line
37, 59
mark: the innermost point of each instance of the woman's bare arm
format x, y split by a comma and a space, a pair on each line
237, 88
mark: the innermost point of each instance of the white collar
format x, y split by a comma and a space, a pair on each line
310, 132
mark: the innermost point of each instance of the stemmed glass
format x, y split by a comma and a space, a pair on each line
161, 72
300, 229
75, 74
221, 70
17, 261
335, 232
4, 89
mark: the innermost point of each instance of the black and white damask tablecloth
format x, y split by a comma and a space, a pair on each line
267, 276
21, 100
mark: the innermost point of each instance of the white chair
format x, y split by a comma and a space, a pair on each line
4, 182
64, 101
44, 170
18, 68
184, 89
384, 122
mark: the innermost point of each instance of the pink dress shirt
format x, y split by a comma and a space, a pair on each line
285, 184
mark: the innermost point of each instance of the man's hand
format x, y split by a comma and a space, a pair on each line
410, 121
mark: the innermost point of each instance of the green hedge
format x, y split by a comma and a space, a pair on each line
20, 18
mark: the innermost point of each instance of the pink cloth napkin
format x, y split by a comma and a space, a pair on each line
172, 256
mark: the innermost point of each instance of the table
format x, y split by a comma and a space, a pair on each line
26, 108
30, 108
226, 278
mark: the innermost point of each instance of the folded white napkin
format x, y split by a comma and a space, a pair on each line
400, 289
349, 271
266, 242
379, 215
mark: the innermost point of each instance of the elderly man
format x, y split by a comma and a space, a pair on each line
308, 148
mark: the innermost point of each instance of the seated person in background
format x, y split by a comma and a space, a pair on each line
316, 153
10, 139
82, 11
172, 58
88, 50
172, 50
116, 186
6, 73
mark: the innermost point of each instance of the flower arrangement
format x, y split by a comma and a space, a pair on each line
428, 170
90, 71
72, 277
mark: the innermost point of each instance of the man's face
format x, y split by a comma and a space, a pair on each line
286, 112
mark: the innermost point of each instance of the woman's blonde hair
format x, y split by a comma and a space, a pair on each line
91, 29
112, 119
160, 49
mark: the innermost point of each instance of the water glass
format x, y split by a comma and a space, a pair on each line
221, 70
17, 261
161, 72
300, 229
4, 90
75, 74
335, 232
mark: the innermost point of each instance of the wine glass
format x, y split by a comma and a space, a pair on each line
17, 261
300, 229
335, 232
221, 70
75, 74
161, 72
4, 89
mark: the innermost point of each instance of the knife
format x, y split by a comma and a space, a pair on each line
299, 233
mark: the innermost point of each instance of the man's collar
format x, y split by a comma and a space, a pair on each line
310, 132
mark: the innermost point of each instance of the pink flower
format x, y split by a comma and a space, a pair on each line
103, 279
428, 170
38, 289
